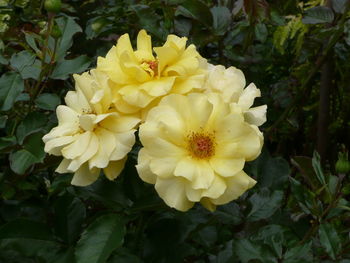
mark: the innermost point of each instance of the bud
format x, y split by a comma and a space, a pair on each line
56, 32
53, 6
342, 166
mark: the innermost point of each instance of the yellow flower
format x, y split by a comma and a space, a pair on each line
194, 150
141, 77
230, 84
90, 135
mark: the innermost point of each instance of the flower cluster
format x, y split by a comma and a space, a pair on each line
195, 121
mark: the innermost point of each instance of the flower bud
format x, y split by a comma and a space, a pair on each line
342, 166
53, 6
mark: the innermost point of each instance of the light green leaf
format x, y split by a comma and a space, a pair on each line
264, 204
98, 241
329, 239
11, 85
32, 123
316, 163
66, 67
33, 152
26, 64
221, 19
318, 15
47, 101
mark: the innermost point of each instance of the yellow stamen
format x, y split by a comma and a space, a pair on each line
201, 145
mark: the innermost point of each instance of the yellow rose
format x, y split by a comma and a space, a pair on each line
141, 77
90, 135
194, 150
230, 84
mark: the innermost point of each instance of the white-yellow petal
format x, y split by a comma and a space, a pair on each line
248, 96
227, 167
236, 186
143, 170
256, 115
84, 176
91, 149
114, 168
78, 147
106, 145
173, 192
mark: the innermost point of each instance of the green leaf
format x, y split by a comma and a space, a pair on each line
26, 64
7, 141
30, 39
68, 28
64, 68
122, 255
329, 239
3, 120
271, 172
229, 214
183, 26
29, 239
302, 195
221, 19
339, 5
316, 164
273, 236
11, 85
149, 20
69, 215
247, 250
347, 32
197, 10
261, 32
99, 240
24, 228
264, 204
318, 15
3, 60
32, 123
299, 254
33, 152
47, 101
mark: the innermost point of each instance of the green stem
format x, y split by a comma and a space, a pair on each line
44, 69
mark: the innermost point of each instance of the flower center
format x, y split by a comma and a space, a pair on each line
150, 66
201, 145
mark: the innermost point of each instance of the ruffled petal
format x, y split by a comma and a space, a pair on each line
256, 115
84, 176
113, 169
173, 192
143, 169
236, 186
227, 167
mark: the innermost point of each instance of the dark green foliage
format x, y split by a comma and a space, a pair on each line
298, 211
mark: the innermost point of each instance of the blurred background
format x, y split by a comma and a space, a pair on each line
296, 52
